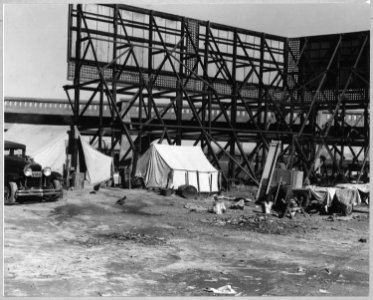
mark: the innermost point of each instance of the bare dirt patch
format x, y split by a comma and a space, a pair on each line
151, 245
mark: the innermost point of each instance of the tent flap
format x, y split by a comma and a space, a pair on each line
98, 164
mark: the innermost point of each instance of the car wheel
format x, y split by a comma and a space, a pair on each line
9, 193
54, 184
304, 201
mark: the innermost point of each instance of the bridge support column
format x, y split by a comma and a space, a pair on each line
179, 116
75, 133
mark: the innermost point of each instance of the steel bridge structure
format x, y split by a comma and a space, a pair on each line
123, 56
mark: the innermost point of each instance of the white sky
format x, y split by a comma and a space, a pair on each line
35, 36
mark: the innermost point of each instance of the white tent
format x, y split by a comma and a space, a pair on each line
46, 144
98, 165
166, 166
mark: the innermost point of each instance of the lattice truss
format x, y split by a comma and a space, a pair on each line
240, 88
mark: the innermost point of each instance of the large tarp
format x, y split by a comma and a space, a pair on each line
169, 166
343, 193
46, 144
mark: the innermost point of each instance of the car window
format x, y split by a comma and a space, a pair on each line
14, 152
18, 152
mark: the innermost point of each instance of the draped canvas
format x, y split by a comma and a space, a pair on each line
98, 164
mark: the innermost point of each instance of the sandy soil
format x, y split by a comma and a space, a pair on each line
151, 245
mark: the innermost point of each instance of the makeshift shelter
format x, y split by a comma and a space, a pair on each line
98, 165
45, 144
168, 166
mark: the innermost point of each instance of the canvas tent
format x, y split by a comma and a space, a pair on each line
98, 165
45, 144
169, 166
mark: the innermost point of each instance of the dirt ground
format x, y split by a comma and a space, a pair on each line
88, 244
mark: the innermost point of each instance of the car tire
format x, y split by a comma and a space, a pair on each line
58, 186
55, 184
304, 201
9, 193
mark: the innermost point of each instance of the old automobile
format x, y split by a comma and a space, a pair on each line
25, 179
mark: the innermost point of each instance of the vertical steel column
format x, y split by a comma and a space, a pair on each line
179, 113
286, 64
114, 83
232, 149
366, 125
182, 47
141, 102
179, 93
150, 63
75, 154
206, 78
259, 104
100, 118
343, 111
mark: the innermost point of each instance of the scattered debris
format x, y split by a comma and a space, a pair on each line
260, 223
226, 289
190, 287
137, 237
328, 271
211, 280
238, 205
334, 218
267, 207
222, 197
121, 200
220, 223
218, 207
236, 199
290, 273
167, 192
187, 191
347, 218
293, 207
362, 240
330, 218
195, 207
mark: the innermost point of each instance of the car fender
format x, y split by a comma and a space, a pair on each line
56, 175
12, 176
